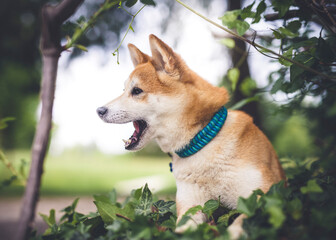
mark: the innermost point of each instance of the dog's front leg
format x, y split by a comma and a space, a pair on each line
188, 196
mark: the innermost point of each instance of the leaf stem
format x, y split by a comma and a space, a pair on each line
255, 44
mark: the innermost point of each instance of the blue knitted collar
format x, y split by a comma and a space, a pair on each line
204, 136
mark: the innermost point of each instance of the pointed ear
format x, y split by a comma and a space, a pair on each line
163, 57
137, 56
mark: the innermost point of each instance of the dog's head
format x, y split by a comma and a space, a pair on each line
157, 95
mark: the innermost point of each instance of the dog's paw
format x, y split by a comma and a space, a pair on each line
190, 224
236, 228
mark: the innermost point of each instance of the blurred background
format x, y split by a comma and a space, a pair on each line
86, 156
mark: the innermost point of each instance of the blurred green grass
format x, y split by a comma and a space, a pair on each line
85, 172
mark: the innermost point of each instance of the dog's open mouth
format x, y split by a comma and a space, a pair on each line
140, 126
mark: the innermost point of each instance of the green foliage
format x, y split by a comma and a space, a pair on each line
140, 216
304, 209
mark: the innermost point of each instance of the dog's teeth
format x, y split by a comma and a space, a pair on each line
125, 141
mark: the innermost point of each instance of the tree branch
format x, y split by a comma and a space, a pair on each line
52, 19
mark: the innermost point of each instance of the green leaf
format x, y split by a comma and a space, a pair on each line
81, 47
243, 102
162, 206
233, 76
296, 71
74, 204
312, 187
4, 121
277, 85
183, 220
109, 211
287, 32
51, 220
137, 193
277, 34
148, 2
294, 26
112, 196
247, 205
281, 6
130, 3
226, 217
242, 27
287, 54
294, 207
144, 207
277, 216
193, 210
247, 86
260, 9
229, 18
210, 206
324, 51
228, 42
102, 198
246, 12
106, 211
131, 28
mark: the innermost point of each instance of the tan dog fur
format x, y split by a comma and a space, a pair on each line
177, 103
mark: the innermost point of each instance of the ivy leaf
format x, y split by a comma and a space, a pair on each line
294, 207
109, 211
247, 205
51, 220
277, 216
130, 3
210, 206
144, 207
81, 47
193, 210
148, 2
312, 187
233, 76
183, 220
162, 206
226, 217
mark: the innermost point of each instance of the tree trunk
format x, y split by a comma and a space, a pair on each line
236, 56
52, 19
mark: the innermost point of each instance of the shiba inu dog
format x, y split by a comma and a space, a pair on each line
170, 103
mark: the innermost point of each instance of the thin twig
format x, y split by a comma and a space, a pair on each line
11, 168
116, 51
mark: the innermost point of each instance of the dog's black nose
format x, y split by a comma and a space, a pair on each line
101, 111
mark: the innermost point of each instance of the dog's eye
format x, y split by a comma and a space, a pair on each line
136, 91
